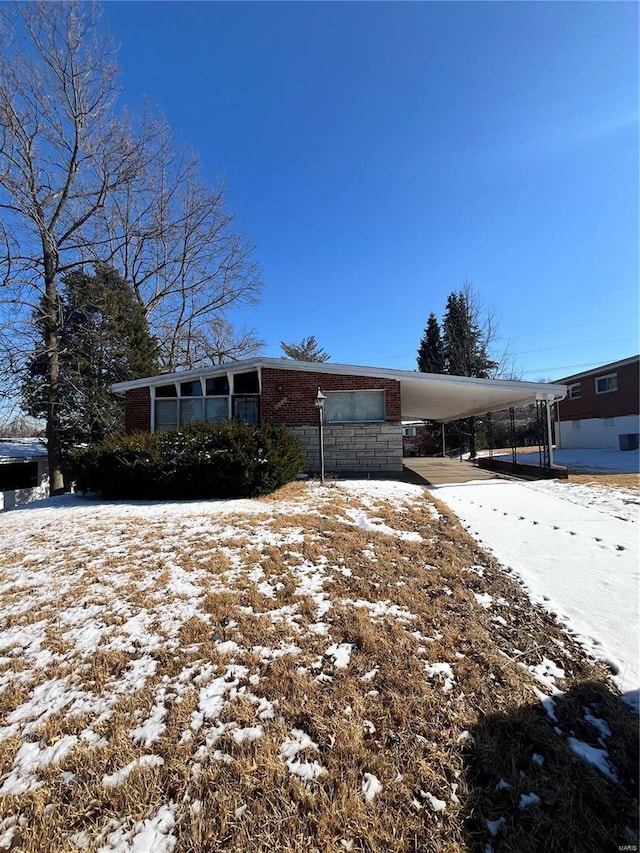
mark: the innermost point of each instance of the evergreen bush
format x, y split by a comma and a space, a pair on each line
199, 461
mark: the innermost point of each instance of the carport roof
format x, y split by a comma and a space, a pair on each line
424, 396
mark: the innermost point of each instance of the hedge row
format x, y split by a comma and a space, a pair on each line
198, 461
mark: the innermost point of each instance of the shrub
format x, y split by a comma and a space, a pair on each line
197, 461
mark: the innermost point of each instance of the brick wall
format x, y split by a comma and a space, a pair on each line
288, 395
137, 413
624, 401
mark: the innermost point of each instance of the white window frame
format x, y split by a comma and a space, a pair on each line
203, 384
598, 379
572, 391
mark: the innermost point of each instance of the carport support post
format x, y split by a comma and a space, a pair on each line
512, 430
549, 428
444, 444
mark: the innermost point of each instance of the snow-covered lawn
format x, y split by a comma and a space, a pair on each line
576, 549
325, 669
589, 461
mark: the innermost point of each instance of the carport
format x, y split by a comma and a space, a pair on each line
443, 398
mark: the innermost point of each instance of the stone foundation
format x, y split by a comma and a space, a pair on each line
357, 448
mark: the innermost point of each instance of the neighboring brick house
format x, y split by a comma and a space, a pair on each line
364, 408
602, 407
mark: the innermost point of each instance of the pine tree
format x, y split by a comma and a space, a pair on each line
430, 352
307, 350
464, 345
104, 339
459, 347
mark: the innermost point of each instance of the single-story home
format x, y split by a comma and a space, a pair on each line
602, 407
363, 413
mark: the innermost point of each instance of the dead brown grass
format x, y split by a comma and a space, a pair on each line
615, 481
383, 714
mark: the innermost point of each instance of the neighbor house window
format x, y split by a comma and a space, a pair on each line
606, 384
409, 431
575, 392
358, 406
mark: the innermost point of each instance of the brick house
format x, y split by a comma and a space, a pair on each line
602, 407
364, 408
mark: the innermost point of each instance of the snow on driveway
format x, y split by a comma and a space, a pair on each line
576, 553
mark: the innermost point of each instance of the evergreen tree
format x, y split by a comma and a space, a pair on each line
459, 347
307, 350
430, 352
104, 338
464, 344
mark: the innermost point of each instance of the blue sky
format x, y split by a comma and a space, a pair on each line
379, 154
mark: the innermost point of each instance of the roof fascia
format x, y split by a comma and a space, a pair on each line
567, 380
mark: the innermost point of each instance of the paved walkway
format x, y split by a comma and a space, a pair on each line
434, 471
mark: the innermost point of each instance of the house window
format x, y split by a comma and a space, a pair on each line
246, 409
575, 424
166, 412
217, 386
354, 406
575, 392
208, 399
606, 384
409, 431
191, 389
246, 383
166, 390
190, 410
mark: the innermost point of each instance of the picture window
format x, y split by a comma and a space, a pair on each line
354, 406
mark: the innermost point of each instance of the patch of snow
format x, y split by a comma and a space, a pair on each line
340, 653
436, 804
494, 825
484, 599
434, 670
249, 734
116, 779
599, 758
152, 835
371, 786
600, 725
527, 800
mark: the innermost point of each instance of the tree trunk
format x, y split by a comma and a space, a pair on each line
51, 343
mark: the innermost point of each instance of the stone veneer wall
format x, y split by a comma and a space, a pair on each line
360, 448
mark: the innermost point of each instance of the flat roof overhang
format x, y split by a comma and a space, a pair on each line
424, 396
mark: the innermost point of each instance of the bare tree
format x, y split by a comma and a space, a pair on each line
62, 152
175, 241
485, 319
220, 342
79, 182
